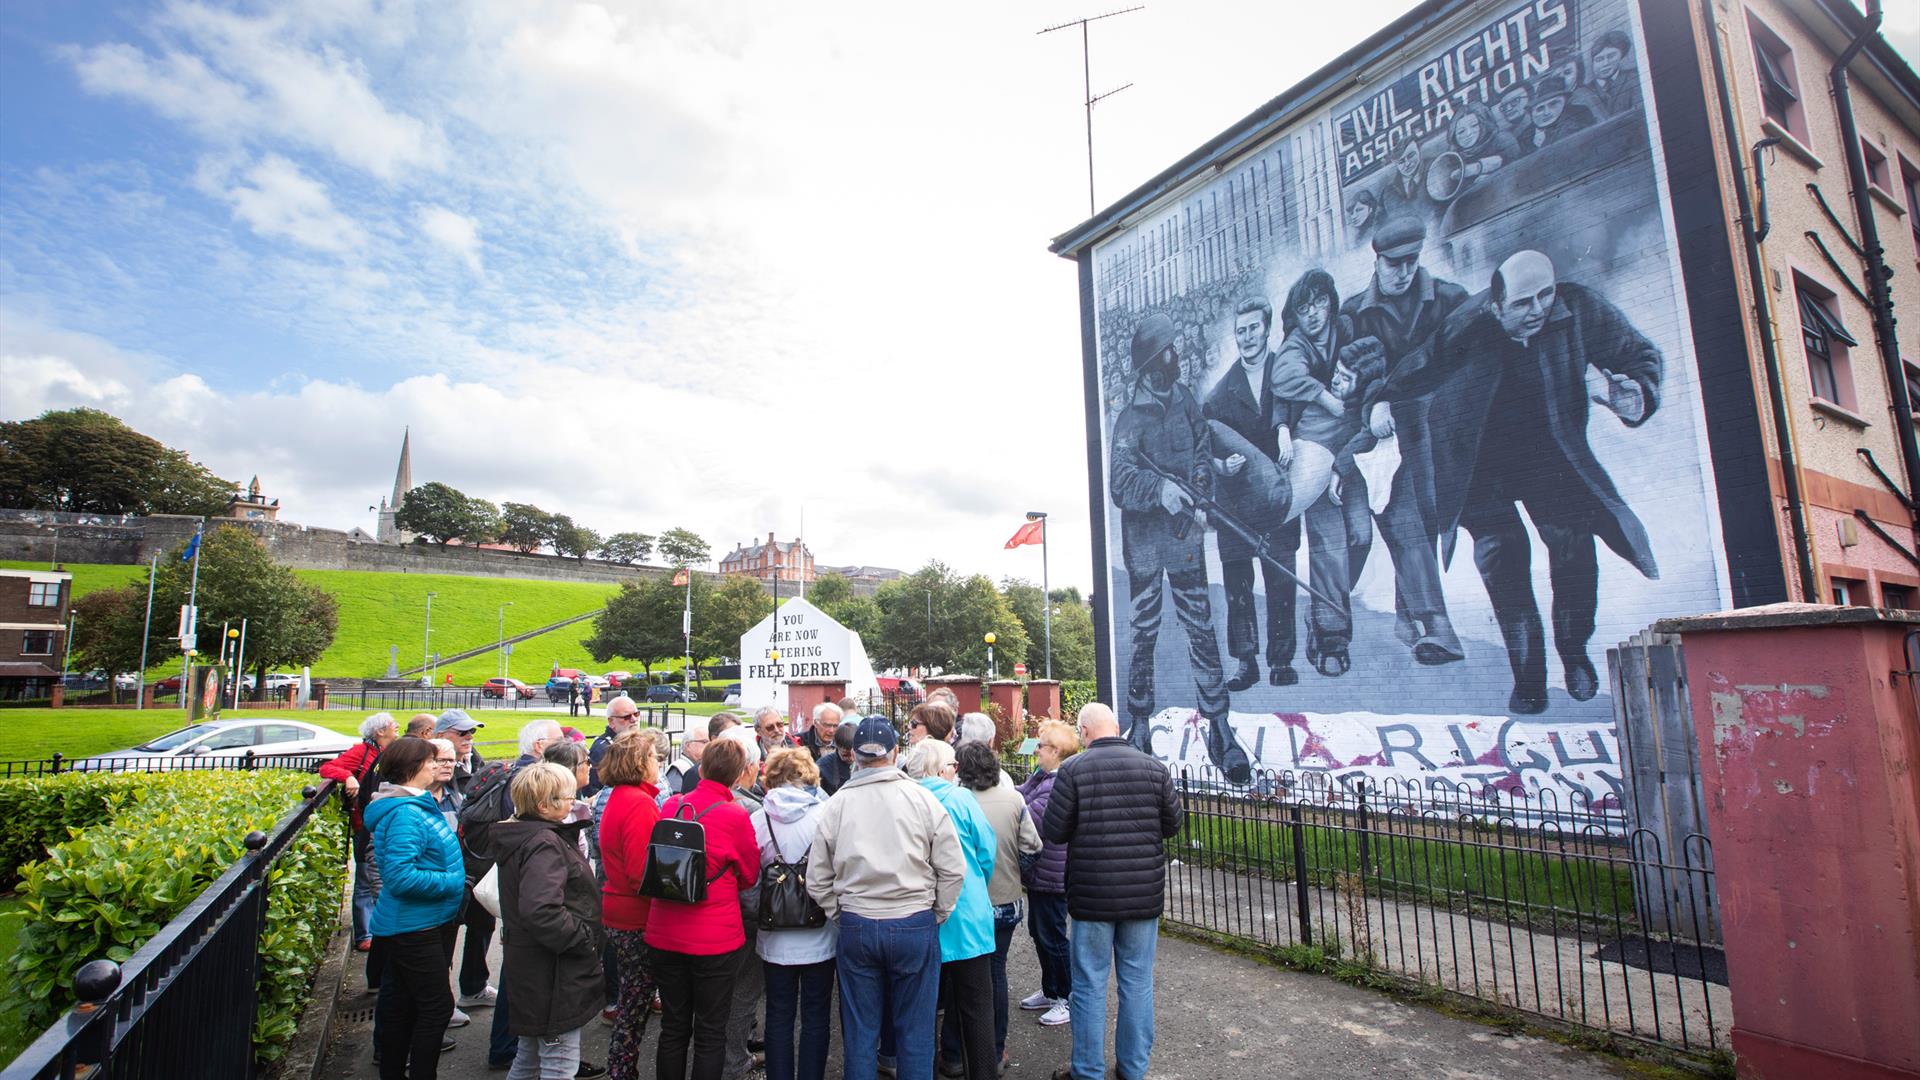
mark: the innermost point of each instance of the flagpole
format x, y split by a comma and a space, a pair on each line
193, 616
686, 635
153, 568
1046, 589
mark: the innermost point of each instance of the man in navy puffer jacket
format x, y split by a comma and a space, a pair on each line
1114, 807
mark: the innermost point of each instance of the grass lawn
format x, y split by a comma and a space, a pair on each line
27, 734
13, 918
379, 610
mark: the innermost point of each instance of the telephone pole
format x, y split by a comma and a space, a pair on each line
1086, 75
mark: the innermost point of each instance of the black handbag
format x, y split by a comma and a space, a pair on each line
677, 859
785, 903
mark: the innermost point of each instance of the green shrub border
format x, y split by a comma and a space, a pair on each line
143, 847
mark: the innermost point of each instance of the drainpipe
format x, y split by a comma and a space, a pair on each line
1763, 322
1878, 296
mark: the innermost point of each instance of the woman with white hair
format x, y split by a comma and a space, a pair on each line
353, 769
966, 938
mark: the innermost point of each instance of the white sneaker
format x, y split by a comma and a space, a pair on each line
1036, 1001
482, 1000
1057, 1015
460, 1019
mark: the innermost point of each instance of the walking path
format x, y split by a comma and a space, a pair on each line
1219, 1016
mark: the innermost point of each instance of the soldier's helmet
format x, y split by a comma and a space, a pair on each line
1151, 358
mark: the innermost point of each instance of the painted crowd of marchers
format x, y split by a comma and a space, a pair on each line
1450, 306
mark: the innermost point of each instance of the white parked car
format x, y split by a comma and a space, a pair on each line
280, 680
266, 737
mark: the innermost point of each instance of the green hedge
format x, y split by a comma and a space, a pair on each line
116, 881
42, 810
1073, 694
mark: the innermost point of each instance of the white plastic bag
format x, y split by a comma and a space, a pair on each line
487, 892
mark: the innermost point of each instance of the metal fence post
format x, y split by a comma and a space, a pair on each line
56, 761
1360, 792
1299, 831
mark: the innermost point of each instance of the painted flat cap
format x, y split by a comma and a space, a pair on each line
1400, 237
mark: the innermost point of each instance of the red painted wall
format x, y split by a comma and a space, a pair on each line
1808, 746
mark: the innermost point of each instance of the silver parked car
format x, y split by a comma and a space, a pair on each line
288, 742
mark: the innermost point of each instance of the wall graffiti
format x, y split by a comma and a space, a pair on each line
1402, 426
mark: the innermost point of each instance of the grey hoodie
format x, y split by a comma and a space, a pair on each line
884, 848
785, 825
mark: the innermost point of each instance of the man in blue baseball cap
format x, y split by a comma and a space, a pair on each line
886, 862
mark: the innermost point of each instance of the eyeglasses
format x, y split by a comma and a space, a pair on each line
918, 723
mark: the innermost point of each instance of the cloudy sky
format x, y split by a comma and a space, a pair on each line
678, 262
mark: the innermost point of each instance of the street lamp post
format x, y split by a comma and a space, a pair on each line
501, 646
990, 639
1046, 592
227, 649
426, 645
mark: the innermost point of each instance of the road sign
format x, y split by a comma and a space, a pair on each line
1019, 671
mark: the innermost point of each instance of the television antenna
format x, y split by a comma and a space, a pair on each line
1086, 74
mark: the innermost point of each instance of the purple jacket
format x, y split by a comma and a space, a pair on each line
1049, 874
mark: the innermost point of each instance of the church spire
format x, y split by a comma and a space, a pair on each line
403, 477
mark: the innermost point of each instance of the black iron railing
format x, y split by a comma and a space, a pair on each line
183, 1005
1520, 899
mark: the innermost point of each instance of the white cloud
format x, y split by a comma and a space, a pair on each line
457, 233
276, 199
240, 79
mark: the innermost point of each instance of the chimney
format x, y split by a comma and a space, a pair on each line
769, 537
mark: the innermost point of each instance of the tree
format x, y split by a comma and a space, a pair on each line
87, 461
828, 591
106, 628
577, 541
934, 618
290, 622
443, 515
1072, 630
627, 548
641, 622
724, 612
683, 547
524, 527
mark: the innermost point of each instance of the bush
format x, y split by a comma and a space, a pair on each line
1073, 694
113, 884
42, 810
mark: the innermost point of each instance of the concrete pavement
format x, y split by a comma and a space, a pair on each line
1218, 1015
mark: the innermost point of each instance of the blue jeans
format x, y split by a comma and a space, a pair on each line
1049, 927
364, 891
896, 961
1098, 949
502, 1045
807, 988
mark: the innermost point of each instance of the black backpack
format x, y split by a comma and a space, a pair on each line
677, 859
483, 810
785, 903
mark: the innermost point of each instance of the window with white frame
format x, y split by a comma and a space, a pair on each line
43, 594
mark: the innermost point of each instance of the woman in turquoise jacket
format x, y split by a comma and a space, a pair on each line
421, 881
966, 938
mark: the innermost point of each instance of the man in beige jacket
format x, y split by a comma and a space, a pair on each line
886, 862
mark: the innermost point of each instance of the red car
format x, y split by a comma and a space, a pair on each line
501, 688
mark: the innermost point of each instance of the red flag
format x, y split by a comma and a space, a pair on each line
680, 576
1033, 532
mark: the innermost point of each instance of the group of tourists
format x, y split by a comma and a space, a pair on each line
741, 881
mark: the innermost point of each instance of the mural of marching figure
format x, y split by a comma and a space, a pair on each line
1449, 303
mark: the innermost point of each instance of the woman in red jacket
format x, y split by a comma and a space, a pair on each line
631, 768
695, 948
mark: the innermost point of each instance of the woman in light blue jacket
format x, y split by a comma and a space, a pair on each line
966, 938
799, 964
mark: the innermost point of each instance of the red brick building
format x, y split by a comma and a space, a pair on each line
33, 630
772, 561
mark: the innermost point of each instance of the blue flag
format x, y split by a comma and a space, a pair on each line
193, 548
